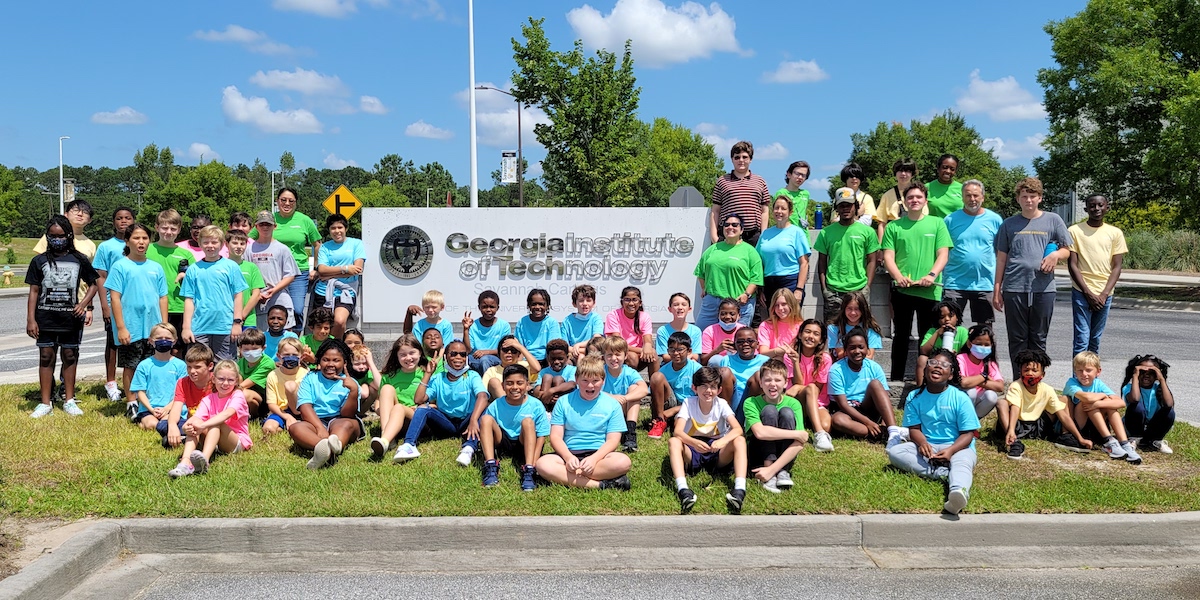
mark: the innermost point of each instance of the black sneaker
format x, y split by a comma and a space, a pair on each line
131, 412
1067, 441
618, 483
1016, 450
734, 501
629, 443
687, 499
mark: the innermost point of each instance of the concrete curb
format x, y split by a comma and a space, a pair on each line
14, 292
1162, 305
886, 539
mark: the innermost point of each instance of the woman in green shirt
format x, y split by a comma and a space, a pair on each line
296, 231
729, 268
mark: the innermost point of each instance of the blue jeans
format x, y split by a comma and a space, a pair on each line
1089, 323
297, 290
709, 306
479, 365
1150, 428
438, 420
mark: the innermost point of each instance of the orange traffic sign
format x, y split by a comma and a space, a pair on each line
342, 202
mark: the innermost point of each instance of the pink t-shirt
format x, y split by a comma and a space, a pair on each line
617, 322
713, 335
239, 423
807, 376
968, 368
782, 334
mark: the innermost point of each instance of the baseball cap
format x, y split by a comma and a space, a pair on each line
265, 216
844, 195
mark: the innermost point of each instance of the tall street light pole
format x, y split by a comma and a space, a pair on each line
471, 94
60, 174
520, 157
273, 189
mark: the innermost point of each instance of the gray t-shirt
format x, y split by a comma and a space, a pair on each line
1025, 241
275, 262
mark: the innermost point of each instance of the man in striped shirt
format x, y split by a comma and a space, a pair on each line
742, 193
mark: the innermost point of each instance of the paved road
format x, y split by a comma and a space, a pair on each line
18, 356
1051, 584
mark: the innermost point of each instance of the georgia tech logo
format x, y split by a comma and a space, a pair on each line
406, 252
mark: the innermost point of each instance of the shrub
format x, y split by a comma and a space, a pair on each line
1163, 250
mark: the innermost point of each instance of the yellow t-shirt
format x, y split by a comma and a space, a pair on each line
867, 209
497, 371
275, 380
1033, 405
891, 208
1096, 247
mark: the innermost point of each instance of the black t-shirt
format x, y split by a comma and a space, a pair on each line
58, 292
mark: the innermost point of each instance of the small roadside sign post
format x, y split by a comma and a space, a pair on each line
342, 202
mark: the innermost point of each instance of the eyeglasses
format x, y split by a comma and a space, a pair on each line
939, 363
454, 353
629, 300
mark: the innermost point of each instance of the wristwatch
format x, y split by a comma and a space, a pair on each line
238, 321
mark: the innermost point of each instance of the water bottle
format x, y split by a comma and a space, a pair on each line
948, 340
820, 218
1050, 249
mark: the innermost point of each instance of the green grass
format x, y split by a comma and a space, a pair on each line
1174, 294
23, 247
100, 465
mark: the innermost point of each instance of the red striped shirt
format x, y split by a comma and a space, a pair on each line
744, 196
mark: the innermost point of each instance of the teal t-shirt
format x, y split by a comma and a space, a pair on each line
847, 248
1073, 387
534, 334
576, 329
782, 249
845, 381
325, 395
211, 286
455, 398
916, 244
509, 417
158, 378
141, 286
743, 370
621, 383
663, 336
681, 380
488, 338
972, 262
941, 417
727, 269
586, 423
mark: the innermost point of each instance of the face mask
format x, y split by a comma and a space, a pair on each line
290, 362
355, 373
252, 355
1031, 380
456, 372
727, 327
163, 345
981, 352
57, 244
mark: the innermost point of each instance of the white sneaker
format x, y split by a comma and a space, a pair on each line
783, 480
1161, 446
897, 437
41, 411
321, 454
72, 408
822, 442
406, 451
377, 448
772, 485
956, 501
114, 392
335, 445
465, 455
1113, 449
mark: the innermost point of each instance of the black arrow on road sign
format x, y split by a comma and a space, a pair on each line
338, 204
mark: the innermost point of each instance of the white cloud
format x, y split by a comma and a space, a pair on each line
661, 34
1015, 150
257, 112
818, 187
254, 41
421, 129
1002, 100
419, 8
796, 71
122, 116
372, 105
333, 162
496, 118
715, 135
198, 151
306, 82
322, 8
772, 151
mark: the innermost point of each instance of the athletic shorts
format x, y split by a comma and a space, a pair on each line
69, 340
130, 355
706, 461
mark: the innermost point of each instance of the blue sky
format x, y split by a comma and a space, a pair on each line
341, 82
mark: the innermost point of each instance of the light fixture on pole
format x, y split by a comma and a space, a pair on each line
471, 95
60, 174
520, 157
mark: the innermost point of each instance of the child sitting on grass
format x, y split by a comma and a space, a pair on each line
775, 424
401, 377
221, 424
449, 402
1034, 407
1096, 409
362, 369
189, 391
283, 386
707, 437
153, 383
328, 406
981, 377
672, 383
557, 377
515, 425
254, 367
810, 385
585, 429
625, 386
1150, 411
858, 393
582, 326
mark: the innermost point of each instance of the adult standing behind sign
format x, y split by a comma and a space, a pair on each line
296, 231
339, 263
740, 192
945, 194
730, 268
276, 264
971, 271
784, 250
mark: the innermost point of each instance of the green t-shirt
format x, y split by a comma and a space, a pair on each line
847, 249
727, 270
960, 338
296, 232
257, 373
254, 281
168, 259
753, 406
405, 384
311, 341
944, 199
916, 244
799, 203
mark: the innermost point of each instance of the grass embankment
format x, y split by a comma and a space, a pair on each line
99, 464
1173, 294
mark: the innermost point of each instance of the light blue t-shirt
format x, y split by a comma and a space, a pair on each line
535, 334
972, 262
853, 385
333, 254
568, 373
781, 250
325, 395
455, 398
1073, 387
509, 417
211, 286
141, 286
743, 370
272, 345
874, 341
576, 329
1149, 397
664, 336
488, 338
587, 422
107, 254
681, 380
158, 378
622, 382
444, 327
941, 416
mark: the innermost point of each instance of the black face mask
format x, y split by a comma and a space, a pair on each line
290, 362
355, 374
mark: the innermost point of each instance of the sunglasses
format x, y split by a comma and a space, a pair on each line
508, 350
454, 353
733, 225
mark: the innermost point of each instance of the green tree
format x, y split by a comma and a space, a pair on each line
591, 102
380, 195
210, 189
11, 189
673, 156
1124, 104
878, 150
287, 164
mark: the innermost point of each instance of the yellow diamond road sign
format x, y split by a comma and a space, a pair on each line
342, 202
